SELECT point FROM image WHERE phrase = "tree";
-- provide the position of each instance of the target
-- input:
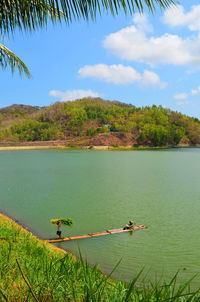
(156, 135)
(29, 15)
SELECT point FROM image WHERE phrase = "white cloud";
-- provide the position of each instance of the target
(71, 95)
(120, 74)
(117, 74)
(175, 16)
(180, 96)
(184, 95)
(183, 103)
(132, 44)
(195, 91)
(142, 23)
(152, 79)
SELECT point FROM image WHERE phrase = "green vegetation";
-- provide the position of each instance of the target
(88, 118)
(30, 267)
(32, 130)
(65, 221)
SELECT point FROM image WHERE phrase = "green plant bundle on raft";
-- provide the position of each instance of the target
(66, 221)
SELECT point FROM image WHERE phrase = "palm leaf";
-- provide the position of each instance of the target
(31, 14)
(7, 57)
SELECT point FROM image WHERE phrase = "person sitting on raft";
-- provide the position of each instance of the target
(59, 229)
(129, 226)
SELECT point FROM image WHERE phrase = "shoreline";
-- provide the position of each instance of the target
(18, 224)
(95, 148)
(10, 148)
(21, 224)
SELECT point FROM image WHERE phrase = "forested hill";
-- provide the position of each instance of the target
(92, 121)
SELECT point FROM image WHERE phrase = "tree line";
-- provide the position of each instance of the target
(155, 126)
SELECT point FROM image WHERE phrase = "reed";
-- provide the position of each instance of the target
(44, 273)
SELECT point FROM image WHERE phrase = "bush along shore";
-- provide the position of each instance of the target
(33, 270)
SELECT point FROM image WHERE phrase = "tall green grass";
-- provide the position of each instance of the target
(55, 276)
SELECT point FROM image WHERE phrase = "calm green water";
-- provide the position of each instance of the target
(103, 190)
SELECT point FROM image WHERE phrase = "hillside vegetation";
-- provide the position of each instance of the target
(98, 122)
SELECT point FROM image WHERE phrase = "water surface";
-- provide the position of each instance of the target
(104, 189)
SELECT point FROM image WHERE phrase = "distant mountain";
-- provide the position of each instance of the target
(93, 121)
(15, 108)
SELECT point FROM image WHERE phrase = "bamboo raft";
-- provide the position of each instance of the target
(90, 235)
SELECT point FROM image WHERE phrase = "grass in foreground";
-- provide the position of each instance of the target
(44, 273)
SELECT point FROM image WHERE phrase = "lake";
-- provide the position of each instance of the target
(105, 189)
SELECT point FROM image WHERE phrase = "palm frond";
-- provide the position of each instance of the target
(27, 14)
(7, 57)
(31, 14)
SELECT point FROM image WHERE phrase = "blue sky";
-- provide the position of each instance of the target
(142, 60)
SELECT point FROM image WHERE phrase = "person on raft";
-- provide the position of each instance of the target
(129, 226)
(59, 229)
